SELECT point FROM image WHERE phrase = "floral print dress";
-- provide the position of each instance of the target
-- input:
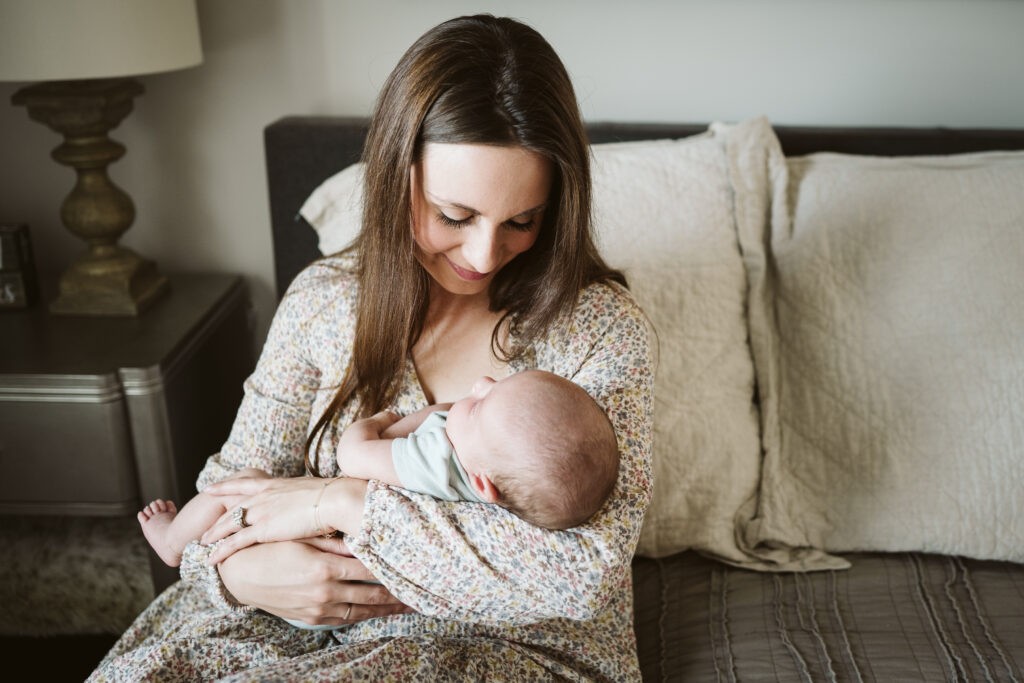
(495, 598)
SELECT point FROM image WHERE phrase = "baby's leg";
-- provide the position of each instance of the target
(169, 530)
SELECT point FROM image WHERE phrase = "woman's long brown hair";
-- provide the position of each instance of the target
(478, 80)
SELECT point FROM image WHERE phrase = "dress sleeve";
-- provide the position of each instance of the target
(270, 428)
(480, 563)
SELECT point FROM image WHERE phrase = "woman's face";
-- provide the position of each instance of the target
(475, 208)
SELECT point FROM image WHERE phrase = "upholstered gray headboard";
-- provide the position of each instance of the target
(303, 151)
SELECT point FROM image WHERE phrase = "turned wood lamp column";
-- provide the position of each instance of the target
(108, 279)
(82, 56)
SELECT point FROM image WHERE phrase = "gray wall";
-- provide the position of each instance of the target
(195, 160)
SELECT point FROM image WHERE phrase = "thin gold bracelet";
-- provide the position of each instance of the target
(316, 509)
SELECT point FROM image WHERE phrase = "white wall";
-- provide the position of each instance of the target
(195, 159)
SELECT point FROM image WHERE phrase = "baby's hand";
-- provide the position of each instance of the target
(410, 422)
(373, 427)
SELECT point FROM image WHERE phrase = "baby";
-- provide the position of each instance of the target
(534, 443)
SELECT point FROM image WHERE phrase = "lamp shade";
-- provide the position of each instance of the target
(47, 40)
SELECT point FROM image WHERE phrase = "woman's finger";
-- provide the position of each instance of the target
(330, 544)
(368, 594)
(355, 585)
(235, 519)
(345, 613)
(229, 545)
(346, 569)
(362, 612)
(241, 486)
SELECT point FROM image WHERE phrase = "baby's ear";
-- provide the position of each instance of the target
(484, 487)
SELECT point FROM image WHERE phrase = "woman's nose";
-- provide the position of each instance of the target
(482, 249)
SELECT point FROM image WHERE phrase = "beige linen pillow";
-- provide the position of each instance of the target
(890, 357)
(665, 212)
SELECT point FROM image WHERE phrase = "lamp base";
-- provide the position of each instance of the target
(109, 280)
(119, 283)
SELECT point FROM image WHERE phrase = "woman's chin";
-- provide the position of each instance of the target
(457, 287)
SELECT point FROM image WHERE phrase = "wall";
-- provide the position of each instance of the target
(195, 160)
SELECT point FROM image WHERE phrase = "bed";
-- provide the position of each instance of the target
(890, 616)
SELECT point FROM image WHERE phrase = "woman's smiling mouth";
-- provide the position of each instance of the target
(470, 275)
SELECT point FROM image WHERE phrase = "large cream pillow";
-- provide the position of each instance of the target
(665, 212)
(890, 357)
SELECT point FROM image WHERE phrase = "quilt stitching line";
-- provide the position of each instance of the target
(953, 659)
(986, 629)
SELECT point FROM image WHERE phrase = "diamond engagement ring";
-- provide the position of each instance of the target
(238, 517)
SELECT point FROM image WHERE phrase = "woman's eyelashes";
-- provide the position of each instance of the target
(453, 222)
(522, 225)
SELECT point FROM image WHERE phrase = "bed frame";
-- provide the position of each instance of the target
(900, 616)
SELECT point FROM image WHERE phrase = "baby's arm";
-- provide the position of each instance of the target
(364, 449)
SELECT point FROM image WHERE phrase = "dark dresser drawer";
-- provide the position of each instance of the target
(65, 445)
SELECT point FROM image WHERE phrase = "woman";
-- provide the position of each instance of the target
(475, 258)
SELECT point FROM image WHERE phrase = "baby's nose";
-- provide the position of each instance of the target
(482, 386)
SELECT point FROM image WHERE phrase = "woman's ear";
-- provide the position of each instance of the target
(484, 487)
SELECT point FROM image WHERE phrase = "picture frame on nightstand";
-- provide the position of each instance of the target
(19, 286)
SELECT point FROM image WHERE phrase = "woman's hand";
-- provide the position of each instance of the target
(315, 581)
(283, 510)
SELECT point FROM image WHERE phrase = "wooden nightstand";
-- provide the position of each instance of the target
(99, 415)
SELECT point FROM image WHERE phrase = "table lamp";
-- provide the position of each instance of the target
(81, 54)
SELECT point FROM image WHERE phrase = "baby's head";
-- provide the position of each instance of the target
(538, 445)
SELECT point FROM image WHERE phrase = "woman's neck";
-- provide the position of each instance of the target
(454, 349)
(445, 306)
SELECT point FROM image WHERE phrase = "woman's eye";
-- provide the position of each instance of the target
(452, 222)
(521, 226)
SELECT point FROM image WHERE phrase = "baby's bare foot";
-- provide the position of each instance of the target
(155, 519)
